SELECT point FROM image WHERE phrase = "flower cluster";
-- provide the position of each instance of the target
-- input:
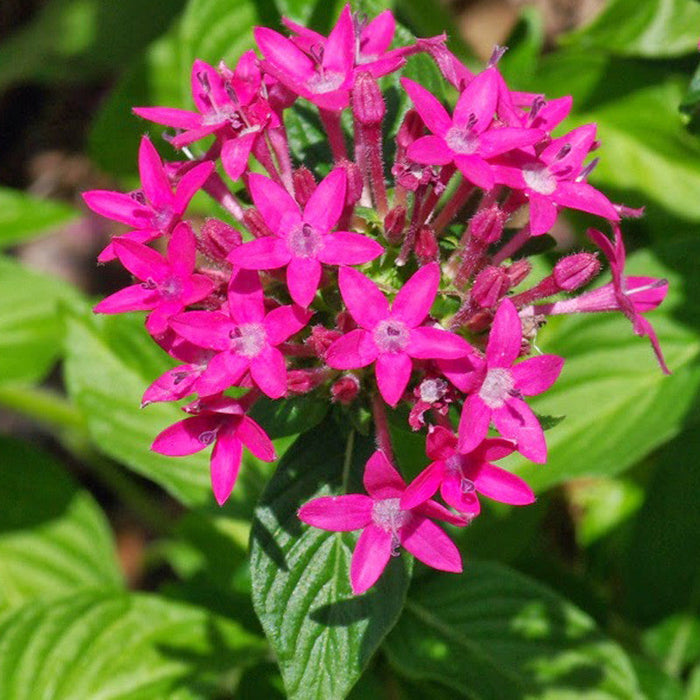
(381, 284)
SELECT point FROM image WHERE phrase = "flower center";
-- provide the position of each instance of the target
(432, 390)
(171, 288)
(497, 386)
(539, 179)
(248, 339)
(325, 81)
(462, 140)
(391, 335)
(387, 515)
(207, 437)
(305, 241)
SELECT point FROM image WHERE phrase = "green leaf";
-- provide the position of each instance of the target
(322, 636)
(289, 416)
(618, 404)
(493, 633)
(23, 216)
(53, 536)
(674, 642)
(653, 28)
(117, 645)
(30, 327)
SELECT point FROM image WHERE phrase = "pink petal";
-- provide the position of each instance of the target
(578, 142)
(431, 150)
(493, 449)
(497, 141)
(207, 329)
(138, 236)
(452, 493)
(508, 175)
(516, 420)
(476, 170)
(371, 555)
(190, 183)
(182, 250)
(283, 53)
(143, 262)
(376, 37)
(380, 479)
(284, 321)
(473, 423)
(303, 277)
(119, 207)
(537, 374)
(646, 293)
(188, 137)
(582, 196)
(440, 444)
(423, 486)
(245, 297)
(154, 181)
(187, 436)
(256, 440)
(415, 298)
(432, 509)
(464, 371)
(366, 304)
(505, 337)
(169, 116)
(235, 153)
(267, 253)
(224, 464)
(543, 213)
(274, 203)
(478, 99)
(339, 51)
(352, 351)
(338, 513)
(393, 371)
(428, 543)
(269, 372)
(223, 371)
(501, 485)
(200, 288)
(647, 329)
(173, 385)
(433, 114)
(133, 298)
(157, 321)
(346, 248)
(326, 203)
(429, 343)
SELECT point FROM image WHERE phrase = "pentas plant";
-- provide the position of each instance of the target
(401, 286)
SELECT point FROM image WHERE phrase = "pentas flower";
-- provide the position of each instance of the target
(303, 240)
(385, 525)
(220, 421)
(630, 294)
(246, 338)
(466, 138)
(495, 386)
(153, 210)
(390, 336)
(461, 476)
(169, 283)
(555, 178)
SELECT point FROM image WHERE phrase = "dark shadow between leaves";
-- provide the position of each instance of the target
(265, 540)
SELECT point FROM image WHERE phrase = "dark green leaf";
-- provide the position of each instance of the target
(289, 416)
(493, 633)
(322, 636)
(119, 645)
(674, 642)
(53, 536)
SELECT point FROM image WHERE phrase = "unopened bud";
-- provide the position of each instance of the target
(355, 183)
(302, 381)
(346, 389)
(304, 185)
(426, 246)
(394, 223)
(411, 129)
(367, 101)
(253, 220)
(490, 285)
(218, 239)
(321, 339)
(487, 224)
(518, 271)
(575, 271)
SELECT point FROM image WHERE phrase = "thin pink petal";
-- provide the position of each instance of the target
(143, 262)
(207, 329)
(303, 277)
(500, 485)
(224, 464)
(423, 486)
(169, 116)
(516, 420)
(283, 53)
(412, 303)
(440, 444)
(497, 141)
(464, 371)
(284, 321)
(366, 304)
(267, 253)
(428, 543)
(478, 100)
(154, 181)
(338, 513)
(371, 555)
(339, 51)
(452, 493)
(476, 170)
(537, 374)
(223, 371)
(376, 37)
(433, 114)
(133, 298)
(326, 203)
(119, 207)
(435, 511)
(473, 423)
(393, 371)
(543, 214)
(190, 182)
(269, 372)
(380, 479)
(346, 248)
(431, 150)
(186, 437)
(352, 351)
(582, 196)
(256, 440)
(505, 337)
(274, 203)
(235, 153)
(182, 250)
(245, 297)
(646, 293)
(435, 343)
(173, 385)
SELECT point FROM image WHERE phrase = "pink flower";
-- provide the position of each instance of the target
(461, 476)
(555, 178)
(495, 389)
(385, 525)
(222, 421)
(169, 284)
(154, 210)
(391, 336)
(631, 295)
(303, 240)
(466, 139)
(245, 339)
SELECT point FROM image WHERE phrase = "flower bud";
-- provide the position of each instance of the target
(490, 285)
(253, 220)
(518, 271)
(345, 389)
(355, 183)
(218, 239)
(426, 246)
(367, 102)
(321, 339)
(302, 381)
(304, 185)
(411, 129)
(575, 271)
(487, 224)
(394, 223)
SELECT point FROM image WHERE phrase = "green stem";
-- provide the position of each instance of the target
(44, 406)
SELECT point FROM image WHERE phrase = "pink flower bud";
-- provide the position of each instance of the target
(367, 101)
(518, 271)
(490, 285)
(255, 223)
(346, 389)
(394, 223)
(321, 339)
(218, 239)
(426, 247)
(411, 129)
(304, 185)
(302, 381)
(575, 271)
(487, 224)
(355, 183)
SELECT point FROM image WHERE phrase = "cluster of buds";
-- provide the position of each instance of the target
(364, 289)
